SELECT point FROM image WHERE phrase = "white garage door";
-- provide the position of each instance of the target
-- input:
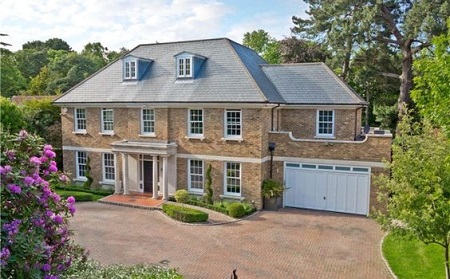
(327, 187)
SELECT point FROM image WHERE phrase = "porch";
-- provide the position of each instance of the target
(134, 199)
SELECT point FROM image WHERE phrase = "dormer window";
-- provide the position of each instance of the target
(130, 69)
(184, 67)
(135, 68)
(188, 65)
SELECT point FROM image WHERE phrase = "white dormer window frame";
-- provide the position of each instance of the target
(185, 66)
(130, 69)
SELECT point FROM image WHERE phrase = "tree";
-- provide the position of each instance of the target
(208, 186)
(404, 26)
(417, 195)
(293, 50)
(11, 79)
(266, 46)
(11, 117)
(432, 88)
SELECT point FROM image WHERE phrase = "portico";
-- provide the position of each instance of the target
(145, 167)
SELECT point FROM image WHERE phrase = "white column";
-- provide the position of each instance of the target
(164, 178)
(126, 191)
(155, 177)
(116, 175)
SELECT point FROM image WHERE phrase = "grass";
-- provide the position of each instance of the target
(410, 259)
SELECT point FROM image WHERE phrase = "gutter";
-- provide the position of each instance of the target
(273, 110)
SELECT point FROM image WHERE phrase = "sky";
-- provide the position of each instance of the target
(125, 23)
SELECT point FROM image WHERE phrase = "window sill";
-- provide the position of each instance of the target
(79, 132)
(325, 137)
(111, 134)
(106, 182)
(147, 135)
(229, 197)
(233, 139)
(195, 137)
(80, 179)
(195, 193)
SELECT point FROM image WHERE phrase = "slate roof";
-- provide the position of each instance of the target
(311, 83)
(231, 73)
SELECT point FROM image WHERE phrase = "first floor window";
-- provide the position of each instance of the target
(148, 122)
(196, 175)
(108, 167)
(81, 162)
(80, 120)
(233, 123)
(195, 122)
(107, 120)
(233, 179)
(325, 123)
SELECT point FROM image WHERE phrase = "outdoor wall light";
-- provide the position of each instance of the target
(271, 146)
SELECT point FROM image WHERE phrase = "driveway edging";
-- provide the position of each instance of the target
(386, 264)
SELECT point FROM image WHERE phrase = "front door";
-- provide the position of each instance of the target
(148, 176)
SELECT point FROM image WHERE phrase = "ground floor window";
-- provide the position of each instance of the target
(233, 178)
(108, 167)
(196, 177)
(81, 162)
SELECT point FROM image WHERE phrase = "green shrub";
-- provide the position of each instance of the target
(79, 196)
(236, 210)
(99, 192)
(184, 214)
(182, 196)
(248, 208)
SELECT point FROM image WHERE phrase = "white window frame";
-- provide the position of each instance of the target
(182, 69)
(77, 120)
(201, 175)
(238, 178)
(108, 164)
(79, 162)
(103, 122)
(130, 69)
(319, 122)
(191, 122)
(143, 121)
(227, 124)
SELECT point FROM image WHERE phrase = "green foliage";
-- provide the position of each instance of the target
(293, 50)
(91, 269)
(99, 192)
(11, 79)
(236, 210)
(184, 214)
(11, 117)
(208, 186)
(272, 188)
(432, 87)
(262, 43)
(417, 193)
(386, 116)
(411, 259)
(79, 196)
(181, 196)
(87, 184)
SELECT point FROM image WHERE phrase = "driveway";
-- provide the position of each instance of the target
(290, 243)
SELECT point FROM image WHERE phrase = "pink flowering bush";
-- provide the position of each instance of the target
(35, 240)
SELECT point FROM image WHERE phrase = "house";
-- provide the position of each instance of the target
(154, 120)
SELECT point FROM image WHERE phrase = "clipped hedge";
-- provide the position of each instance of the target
(184, 214)
(79, 196)
(99, 192)
(236, 210)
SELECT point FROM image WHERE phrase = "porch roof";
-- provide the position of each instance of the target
(145, 147)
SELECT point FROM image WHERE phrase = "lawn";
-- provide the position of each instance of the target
(411, 259)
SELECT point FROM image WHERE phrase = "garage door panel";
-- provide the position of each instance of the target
(339, 189)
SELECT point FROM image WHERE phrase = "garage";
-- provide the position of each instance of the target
(327, 187)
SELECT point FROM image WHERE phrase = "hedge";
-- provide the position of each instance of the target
(184, 214)
(100, 192)
(79, 196)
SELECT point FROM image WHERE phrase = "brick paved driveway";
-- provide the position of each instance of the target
(290, 243)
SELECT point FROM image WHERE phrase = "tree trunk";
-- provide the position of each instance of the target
(447, 263)
(348, 53)
(406, 78)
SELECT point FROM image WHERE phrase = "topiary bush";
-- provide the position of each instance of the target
(236, 210)
(184, 214)
(182, 196)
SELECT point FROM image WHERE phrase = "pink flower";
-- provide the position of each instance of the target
(49, 153)
(70, 199)
(28, 180)
(35, 160)
(11, 155)
(57, 219)
(6, 169)
(63, 178)
(55, 197)
(23, 135)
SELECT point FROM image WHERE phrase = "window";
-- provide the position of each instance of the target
(80, 120)
(148, 122)
(185, 67)
(107, 121)
(325, 123)
(233, 123)
(81, 162)
(130, 70)
(108, 167)
(233, 179)
(195, 122)
(196, 175)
